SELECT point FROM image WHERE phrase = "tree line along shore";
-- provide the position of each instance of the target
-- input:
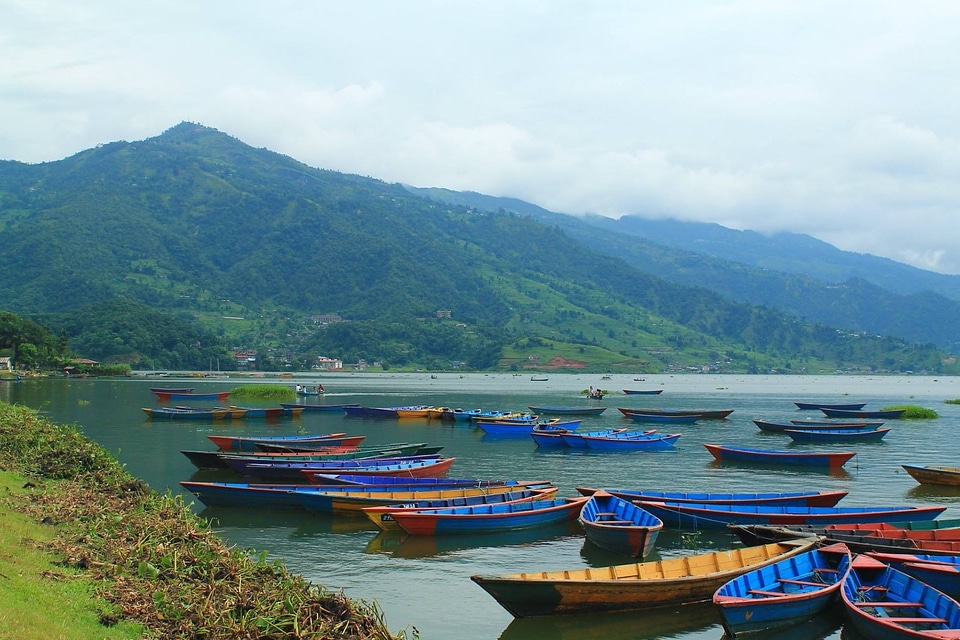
(94, 552)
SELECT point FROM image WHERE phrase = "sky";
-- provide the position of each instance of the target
(839, 119)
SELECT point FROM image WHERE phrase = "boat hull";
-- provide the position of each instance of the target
(619, 526)
(933, 475)
(785, 593)
(832, 460)
(631, 587)
(490, 518)
(798, 498)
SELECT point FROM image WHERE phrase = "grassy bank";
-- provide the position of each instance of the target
(91, 552)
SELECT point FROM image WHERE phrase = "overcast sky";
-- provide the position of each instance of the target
(840, 119)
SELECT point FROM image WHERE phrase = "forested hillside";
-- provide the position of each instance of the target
(173, 251)
(794, 273)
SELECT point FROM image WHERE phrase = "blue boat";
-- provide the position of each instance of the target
(514, 516)
(619, 526)
(576, 440)
(522, 428)
(641, 442)
(829, 459)
(788, 592)
(816, 406)
(569, 411)
(888, 414)
(706, 516)
(791, 498)
(809, 425)
(837, 435)
(400, 465)
(942, 572)
(883, 603)
(668, 418)
(318, 407)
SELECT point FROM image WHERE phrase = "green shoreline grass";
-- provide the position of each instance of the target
(95, 553)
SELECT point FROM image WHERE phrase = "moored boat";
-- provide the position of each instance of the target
(809, 425)
(793, 498)
(704, 414)
(569, 411)
(816, 406)
(637, 416)
(522, 427)
(575, 438)
(934, 475)
(642, 392)
(414, 466)
(215, 395)
(618, 525)
(169, 390)
(630, 587)
(884, 603)
(837, 435)
(639, 442)
(942, 572)
(252, 443)
(192, 413)
(489, 518)
(382, 516)
(888, 414)
(705, 516)
(831, 459)
(353, 500)
(318, 407)
(788, 592)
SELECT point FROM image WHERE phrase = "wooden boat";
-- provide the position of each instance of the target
(537, 378)
(465, 415)
(837, 424)
(216, 395)
(664, 418)
(523, 427)
(630, 587)
(354, 411)
(618, 525)
(414, 411)
(382, 516)
(317, 407)
(816, 406)
(569, 411)
(353, 500)
(639, 442)
(796, 498)
(575, 438)
(169, 390)
(270, 412)
(192, 413)
(940, 572)
(643, 392)
(788, 592)
(705, 516)
(913, 537)
(358, 481)
(493, 518)
(831, 459)
(704, 414)
(218, 459)
(884, 603)
(934, 475)
(431, 466)
(837, 435)
(307, 393)
(780, 427)
(251, 443)
(890, 414)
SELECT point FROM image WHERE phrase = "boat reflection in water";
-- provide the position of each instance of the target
(403, 545)
(646, 625)
(787, 469)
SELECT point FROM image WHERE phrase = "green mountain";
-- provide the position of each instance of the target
(176, 250)
(794, 273)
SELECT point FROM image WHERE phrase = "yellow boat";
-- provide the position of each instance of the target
(353, 502)
(631, 587)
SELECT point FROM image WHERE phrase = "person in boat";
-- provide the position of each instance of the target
(299, 388)
(319, 388)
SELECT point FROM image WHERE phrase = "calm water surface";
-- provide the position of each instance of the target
(423, 583)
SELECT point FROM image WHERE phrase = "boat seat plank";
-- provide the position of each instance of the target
(802, 583)
(614, 522)
(606, 514)
(889, 604)
(917, 620)
(759, 592)
(826, 570)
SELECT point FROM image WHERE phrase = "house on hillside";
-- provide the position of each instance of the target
(5, 363)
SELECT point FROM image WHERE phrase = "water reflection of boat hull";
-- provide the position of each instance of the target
(402, 545)
(666, 623)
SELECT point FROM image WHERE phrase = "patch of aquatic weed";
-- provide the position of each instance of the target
(154, 559)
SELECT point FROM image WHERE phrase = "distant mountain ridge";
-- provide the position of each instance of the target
(253, 248)
(797, 273)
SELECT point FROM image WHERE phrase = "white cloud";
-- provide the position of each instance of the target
(837, 120)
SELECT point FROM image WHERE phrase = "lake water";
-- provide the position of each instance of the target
(423, 583)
